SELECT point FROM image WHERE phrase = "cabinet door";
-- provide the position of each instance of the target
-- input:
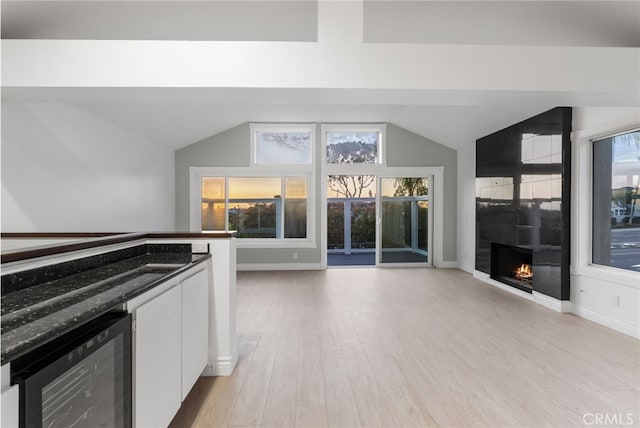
(195, 328)
(157, 360)
(10, 405)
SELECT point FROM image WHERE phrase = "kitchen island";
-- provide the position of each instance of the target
(158, 308)
(47, 290)
(41, 304)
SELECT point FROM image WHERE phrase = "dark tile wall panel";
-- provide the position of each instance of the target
(523, 196)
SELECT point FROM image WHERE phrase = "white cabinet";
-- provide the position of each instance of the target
(171, 346)
(158, 360)
(10, 403)
(10, 400)
(195, 332)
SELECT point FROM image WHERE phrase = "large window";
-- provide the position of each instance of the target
(269, 202)
(616, 201)
(256, 207)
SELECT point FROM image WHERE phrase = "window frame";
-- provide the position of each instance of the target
(593, 141)
(195, 197)
(254, 128)
(582, 206)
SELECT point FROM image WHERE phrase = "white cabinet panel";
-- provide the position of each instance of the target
(157, 356)
(195, 331)
(10, 407)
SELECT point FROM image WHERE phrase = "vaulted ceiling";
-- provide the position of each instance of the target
(175, 72)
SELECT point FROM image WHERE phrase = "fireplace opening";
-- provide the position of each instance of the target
(512, 266)
(523, 273)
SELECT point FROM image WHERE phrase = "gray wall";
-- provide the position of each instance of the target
(232, 148)
(229, 148)
(404, 148)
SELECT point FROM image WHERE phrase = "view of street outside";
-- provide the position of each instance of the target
(625, 248)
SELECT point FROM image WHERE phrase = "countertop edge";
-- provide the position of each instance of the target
(101, 239)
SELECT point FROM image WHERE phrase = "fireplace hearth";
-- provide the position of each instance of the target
(512, 266)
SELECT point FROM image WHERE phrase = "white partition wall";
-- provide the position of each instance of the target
(222, 302)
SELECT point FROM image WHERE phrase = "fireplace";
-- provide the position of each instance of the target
(523, 198)
(512, 266)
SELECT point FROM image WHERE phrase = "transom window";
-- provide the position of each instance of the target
(282, 144)
(354, 144)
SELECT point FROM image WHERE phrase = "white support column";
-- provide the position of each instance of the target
(223, 355)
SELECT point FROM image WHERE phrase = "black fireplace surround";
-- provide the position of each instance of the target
(523, 199)
(505, 260)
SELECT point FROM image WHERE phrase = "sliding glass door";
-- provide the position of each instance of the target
(351, 220)
(378, 220)
(404, 226)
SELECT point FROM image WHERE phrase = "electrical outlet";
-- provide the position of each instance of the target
(295, 256)
(615, 301)
(200, 247)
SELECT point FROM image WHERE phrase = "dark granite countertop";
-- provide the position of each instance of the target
(42, 304)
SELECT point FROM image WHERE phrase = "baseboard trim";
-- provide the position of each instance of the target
(622, 327)
(222, 366)
(318, 266)
(448, 265)
(563, 306)
(539, 298)
(278, 266)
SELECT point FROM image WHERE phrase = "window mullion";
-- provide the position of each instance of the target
(282, 207)
(226, 203)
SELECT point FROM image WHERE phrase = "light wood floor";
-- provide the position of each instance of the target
(411, 347)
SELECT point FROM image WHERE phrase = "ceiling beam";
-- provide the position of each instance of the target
(78, 63)
(339, 61)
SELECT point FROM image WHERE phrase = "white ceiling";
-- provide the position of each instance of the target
(160, 20)
(524, 23)
(177, 125)
(176, 117)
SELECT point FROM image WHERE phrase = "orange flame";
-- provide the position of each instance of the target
(523, 272)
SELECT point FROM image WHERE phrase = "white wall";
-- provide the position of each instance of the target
(65, 170)
(595, 290)
(467, 207)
